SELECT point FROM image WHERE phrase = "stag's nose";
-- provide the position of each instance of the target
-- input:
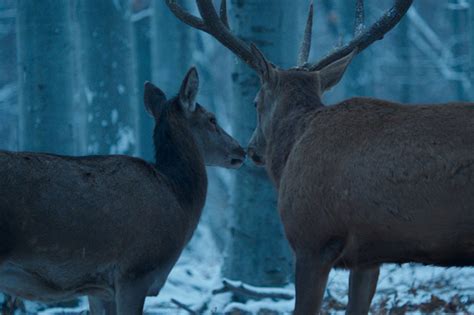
(256, 159)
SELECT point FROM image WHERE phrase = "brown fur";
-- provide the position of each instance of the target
(366, 182)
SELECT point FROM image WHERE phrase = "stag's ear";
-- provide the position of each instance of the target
(153, 98)
(189, 90)
(332, 73)
(264, 67)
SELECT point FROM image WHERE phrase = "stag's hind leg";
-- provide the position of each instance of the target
(362, 284)
(312, 270)
(101, 307)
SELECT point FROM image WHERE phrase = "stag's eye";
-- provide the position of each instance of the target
(213, 120)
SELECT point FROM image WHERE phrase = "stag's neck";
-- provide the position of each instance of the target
(178, 158)
(289, 122)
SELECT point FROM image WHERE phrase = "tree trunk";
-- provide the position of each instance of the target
(141, 35)
(8, 77)
(171, 48)
(357, 80)
(458, 12)
(45, 64)
(106, 56)
(258, 252)
(404, 70)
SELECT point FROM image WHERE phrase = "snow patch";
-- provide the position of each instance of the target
(125, 141)
(120, 89)
(114, 116)
(89, 95)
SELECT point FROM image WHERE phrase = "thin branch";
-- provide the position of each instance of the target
(359, 19)
(184, 307)
(242, 289)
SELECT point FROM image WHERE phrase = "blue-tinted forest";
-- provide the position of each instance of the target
(72, 77)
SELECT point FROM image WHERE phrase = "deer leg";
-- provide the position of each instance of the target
(101, 307)
(311, 277)
(362, 284)
(130, 295)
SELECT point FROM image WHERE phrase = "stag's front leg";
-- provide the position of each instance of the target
(130, 295)
(311, 277)
(362, 284)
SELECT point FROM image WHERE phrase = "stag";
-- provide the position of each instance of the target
(360, 183)
(110, 227)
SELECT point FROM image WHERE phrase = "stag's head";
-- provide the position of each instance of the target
(306, 82)
(216, 146)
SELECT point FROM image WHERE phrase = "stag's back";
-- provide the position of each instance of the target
(397, 172)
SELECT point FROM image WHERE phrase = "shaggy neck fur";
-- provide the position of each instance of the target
(294, 110)
(178, 157)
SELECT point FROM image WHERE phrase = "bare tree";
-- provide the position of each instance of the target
(45, 64)
(106, 62)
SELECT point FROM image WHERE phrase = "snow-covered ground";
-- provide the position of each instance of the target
(411, 289)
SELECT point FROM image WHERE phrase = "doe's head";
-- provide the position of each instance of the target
(215, 145)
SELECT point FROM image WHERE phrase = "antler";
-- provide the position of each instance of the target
(306, 44)
(215, 25)
(366, 37)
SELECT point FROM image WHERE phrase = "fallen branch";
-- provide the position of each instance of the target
(184, 307)
(256, 293)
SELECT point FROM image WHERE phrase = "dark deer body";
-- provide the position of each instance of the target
(110, 227)
(362, 182)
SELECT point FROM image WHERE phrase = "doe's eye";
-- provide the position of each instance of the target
(213, 120)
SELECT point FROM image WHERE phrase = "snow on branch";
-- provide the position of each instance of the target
(240, 288)
(427, 41)
(143, 14)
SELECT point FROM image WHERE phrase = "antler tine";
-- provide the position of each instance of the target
(359, 19)
(369, 35)
(215, 26)
(223, 13)
(306, 44)
(184, 16)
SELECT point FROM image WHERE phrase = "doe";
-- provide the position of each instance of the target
(110, 227)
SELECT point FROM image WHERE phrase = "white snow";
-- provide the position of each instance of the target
(126, 140)
(120, 89)
(89, 95)
(114, 116)
(197, 273)
(135, 17)
(7, 93)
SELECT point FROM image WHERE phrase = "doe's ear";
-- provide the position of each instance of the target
(332, 73)
(264, 67)
(189, 90)
(153, 98)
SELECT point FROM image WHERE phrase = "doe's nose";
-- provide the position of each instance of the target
(257, 159)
